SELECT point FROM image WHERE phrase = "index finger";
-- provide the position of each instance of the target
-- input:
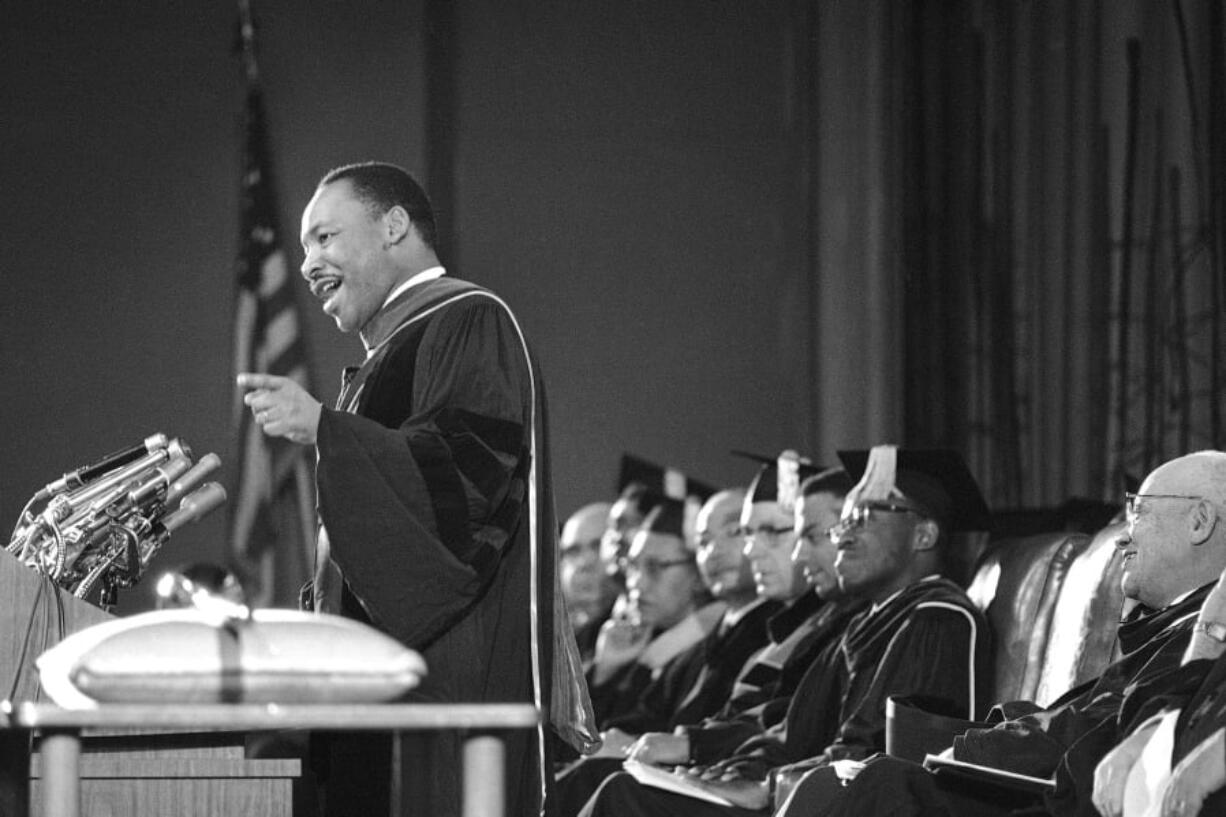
(255, 380)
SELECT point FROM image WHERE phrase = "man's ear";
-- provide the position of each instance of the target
(396, 225)
(925, 535)
(1202, 521)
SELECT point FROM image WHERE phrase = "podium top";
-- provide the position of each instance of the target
(347, 717)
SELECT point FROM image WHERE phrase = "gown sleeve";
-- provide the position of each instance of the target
(418, 514)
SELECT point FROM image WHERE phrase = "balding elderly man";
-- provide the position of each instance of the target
(1174, 548)
(588, 588)
(696, 682)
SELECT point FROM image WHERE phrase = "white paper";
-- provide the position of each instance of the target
(1149, 776)
(664, 779)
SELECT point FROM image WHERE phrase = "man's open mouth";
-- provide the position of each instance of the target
(323, 288)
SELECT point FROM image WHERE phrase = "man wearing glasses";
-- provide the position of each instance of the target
(1173, 549)
(668, 613)
(807, 631)
(698, 681)
(920, 636)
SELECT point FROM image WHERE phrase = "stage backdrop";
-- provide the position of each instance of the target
(724, 224)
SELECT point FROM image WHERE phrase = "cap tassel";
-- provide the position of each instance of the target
(880, 474)
(788, 477)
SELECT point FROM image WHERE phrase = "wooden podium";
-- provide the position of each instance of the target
(35, 615)
(134, 770)
(189, 760)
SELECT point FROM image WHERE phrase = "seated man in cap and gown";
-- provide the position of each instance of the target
(669, 611)
(811, 624)
(1170, 556)
(796, 619)
(921, 636)
(643, 486)
(699, 680)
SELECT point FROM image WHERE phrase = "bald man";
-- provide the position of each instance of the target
(698, 681)
(806, 630)
(588, 588)
(1173, 548)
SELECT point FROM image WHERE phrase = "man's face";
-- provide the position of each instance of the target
(721, 557)
(768, 545)
(585, 584)
(623, 523)
(875, 549)
(814, 551)
(346, 263)
(661, 579)
(1157, 553)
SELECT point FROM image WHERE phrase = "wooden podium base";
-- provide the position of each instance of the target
(191, 787)
(122, 773)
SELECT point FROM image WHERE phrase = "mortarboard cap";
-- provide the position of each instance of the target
(667, 518)
(937, 480)
(779, 478)
(660, 480)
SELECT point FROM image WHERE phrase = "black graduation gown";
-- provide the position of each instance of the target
(1070, 737)
(698, 681)
(425, 482)
(1034, 744)
(800, 634)
(691, 686)
(929, 640)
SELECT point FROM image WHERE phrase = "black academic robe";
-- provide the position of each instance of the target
(763, 692)
(928, 641)
(618, 695)
(440, 522)
(691, 686)
(1034, 744)
(1068, 738)
(698, 681)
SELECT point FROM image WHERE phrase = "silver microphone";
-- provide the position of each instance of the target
(82, 475)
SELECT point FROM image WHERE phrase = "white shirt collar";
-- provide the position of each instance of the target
(420, 278)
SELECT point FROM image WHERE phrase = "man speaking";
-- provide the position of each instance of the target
(434, 494)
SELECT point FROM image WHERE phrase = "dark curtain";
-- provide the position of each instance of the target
(1061, 211)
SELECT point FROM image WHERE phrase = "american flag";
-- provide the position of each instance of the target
(272, 518)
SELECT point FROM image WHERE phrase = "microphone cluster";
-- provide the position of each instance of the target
(100, 525)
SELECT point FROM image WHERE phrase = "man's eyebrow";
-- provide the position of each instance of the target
(311, 232)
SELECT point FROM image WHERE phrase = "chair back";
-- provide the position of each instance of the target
(1017, 585)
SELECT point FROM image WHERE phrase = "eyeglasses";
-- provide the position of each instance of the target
(1132, 502)
(859, 516)
(811, 534)
(708, 538)
(764, 531)
(650, 568)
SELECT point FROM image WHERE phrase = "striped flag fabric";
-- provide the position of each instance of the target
(272, 518)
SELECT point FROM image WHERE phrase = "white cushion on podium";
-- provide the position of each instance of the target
(193, 656)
